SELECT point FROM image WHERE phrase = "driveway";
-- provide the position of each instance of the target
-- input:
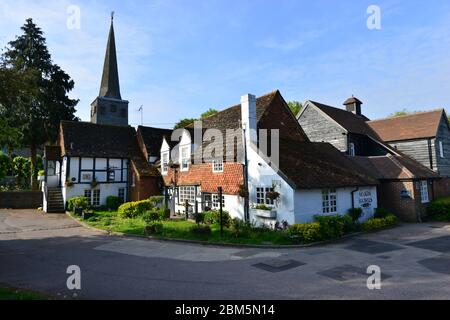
(36, 250)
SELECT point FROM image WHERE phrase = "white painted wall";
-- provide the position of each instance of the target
(308, 203)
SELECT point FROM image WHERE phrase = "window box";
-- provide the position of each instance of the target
(269, 214)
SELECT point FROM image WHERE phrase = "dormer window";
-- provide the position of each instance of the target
(217, 165)
(185, 157)
(165, 163)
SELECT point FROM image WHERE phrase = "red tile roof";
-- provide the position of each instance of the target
(414, 126)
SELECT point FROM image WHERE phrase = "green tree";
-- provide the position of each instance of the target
(42, 96)
(400, 113)
(184, 123)
(5, 165)
(208, 113)
(22, 171)
(295, 107)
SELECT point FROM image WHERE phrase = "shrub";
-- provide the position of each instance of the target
(263, 207)
(439, 209)
(157, 201)
(151, 216)
(135, 209)
(355, 214)
(307, 232)
(213, 217)
(381, 213)
(78, 202)
(201, 230)
(199, 217)
(41, 173)
(239, 227)
(5, 165)
(331, 227)
(113, 203)
(153, 227)
(379, 223)
(164, 213)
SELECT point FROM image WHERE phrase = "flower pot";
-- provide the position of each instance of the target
(268, 214)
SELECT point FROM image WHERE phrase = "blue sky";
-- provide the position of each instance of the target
(181, 57)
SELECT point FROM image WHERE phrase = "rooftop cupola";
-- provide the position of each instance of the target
(353, 105)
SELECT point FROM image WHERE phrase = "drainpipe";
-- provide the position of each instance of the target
(353, 197)
(246, 199)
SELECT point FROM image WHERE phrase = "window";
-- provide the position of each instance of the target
(216, 203)
(329, 201)
(441, 149)
(261, 195)
(113, 108)
(218, 166)
(165, 163)
(51, 168)
(121, 195)
(352, 151)
(88, 194)
(123, 113)
(424, 191)
(185, 159)
(111, 175)
(186, 194)
(96, 198)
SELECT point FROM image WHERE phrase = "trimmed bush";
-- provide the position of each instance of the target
(239, 227)
(379, 223)
(381, 213)
(213, 217)
(355, 214)
(135, 209)
(153, 227)
(307, 232)
(332, 227)
(199, 218)
(201, 230)
(77, 202)
(439, 209)
(113, 203)
(164, 213)
(157, 201)
(151, 216)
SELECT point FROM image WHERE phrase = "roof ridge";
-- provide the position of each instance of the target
(407, 115)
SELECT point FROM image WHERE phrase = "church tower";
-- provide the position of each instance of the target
(109, 107)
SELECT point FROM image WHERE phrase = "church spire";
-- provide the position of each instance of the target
(110, 79)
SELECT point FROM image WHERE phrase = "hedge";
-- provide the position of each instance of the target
(439, 209)
(213, 217)
(307, 232)
(135, 209)
(113, 203)
(336, 226)
(379, 223)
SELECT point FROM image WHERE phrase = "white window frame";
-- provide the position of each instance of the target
(185, 157)
(88, 194)
(96, 197)
(215, 201)
(441, 149)
(329, 201)
(217, 166)
(351, 149)
(165, 163)
(424, 195)
(186, 193)
(261, 196)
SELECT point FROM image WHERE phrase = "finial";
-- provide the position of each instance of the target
(112, 16)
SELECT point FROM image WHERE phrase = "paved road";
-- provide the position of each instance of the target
(36, 249)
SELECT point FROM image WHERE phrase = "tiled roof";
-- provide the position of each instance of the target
(394, 167)
(85, 139)
(153, 138)
(414, 126)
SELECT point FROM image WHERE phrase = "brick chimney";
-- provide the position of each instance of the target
(248, 117)
(353, 105)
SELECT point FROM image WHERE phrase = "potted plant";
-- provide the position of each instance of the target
(243, 191)
(94, 183)
(69, 183)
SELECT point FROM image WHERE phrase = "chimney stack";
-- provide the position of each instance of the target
(248, 114)
(353, 105)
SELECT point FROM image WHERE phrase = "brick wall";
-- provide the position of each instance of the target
(407, 210)
(21, 199)
(442, 188)
(202, 174)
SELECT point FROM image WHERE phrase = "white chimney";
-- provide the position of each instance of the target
(248, 114)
